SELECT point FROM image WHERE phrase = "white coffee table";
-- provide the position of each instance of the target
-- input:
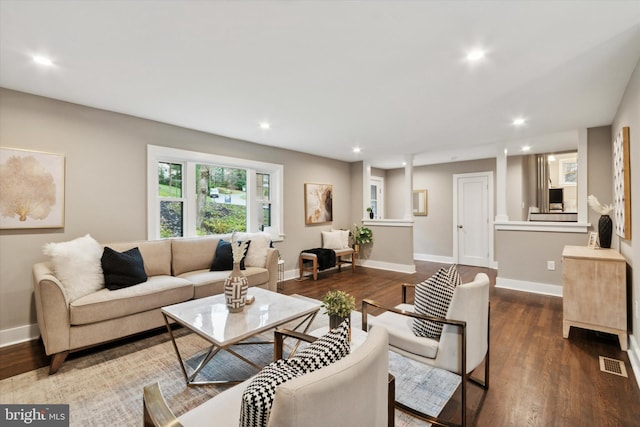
(210, 319)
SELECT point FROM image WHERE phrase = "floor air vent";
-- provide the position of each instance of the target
(613, 366)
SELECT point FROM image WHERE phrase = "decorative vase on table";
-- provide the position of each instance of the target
(335, 321)
(605, 228)
(235, 289)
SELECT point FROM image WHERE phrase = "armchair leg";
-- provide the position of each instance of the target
(56, 361)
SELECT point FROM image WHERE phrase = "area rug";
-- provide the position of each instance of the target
(104, 388)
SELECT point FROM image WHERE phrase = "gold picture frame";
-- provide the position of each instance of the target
(420, 202)
(592, 243)
(318, 203)
(32, 193)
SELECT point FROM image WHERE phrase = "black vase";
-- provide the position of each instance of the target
(370, 214)
(605, 227)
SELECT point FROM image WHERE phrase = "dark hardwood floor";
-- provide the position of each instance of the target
(538, 378)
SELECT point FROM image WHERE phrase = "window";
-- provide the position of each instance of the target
(376, 187)
(195, 194)
(170, 198)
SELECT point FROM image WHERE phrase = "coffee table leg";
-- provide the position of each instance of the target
(309, 319)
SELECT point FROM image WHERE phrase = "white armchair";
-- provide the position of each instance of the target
(357, 390)
(464, 342)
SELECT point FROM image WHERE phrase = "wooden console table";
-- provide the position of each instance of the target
(594, 291)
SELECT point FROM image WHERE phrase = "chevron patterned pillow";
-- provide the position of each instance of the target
(433, 297)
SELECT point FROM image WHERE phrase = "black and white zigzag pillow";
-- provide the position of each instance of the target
(433, 297)
(257, 398)
(325, 350)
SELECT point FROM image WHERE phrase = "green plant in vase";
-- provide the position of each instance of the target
(338, 305)
(362, 235)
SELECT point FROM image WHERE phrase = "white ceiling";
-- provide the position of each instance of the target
(387, 76)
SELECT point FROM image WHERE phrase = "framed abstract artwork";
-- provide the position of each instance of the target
(32, 193)
(622, 184)
(318, 203)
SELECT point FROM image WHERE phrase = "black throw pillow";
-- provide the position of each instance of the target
(224, 257)
(122, 269)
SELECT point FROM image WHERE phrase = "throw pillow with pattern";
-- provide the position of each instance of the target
(257, 398)
(327, 349)
(433, 297)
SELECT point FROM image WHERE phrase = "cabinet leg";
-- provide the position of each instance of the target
(565, 329)
(622, 337)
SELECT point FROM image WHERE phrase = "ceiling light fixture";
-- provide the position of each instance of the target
(43, 60)
(518, 121)
(526, 148)
(265, 125)
(357, 150)
(476, 55)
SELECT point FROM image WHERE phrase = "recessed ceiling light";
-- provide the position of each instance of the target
(357, 150)
(43, 60)
(404, 163)
(518, 121)
(476, 55)
(526, 148)
(265, 125)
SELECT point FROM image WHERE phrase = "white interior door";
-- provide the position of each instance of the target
(471, 222)
(376, 186)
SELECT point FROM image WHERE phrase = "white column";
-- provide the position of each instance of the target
(366, 188)
(582, 176)
(408, 187)
(501, 187)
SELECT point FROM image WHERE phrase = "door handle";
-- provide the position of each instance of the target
(459, 226)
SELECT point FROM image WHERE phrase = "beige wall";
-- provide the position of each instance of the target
(433, 234)
(106, 184)
(516, 204)
(629, 115)
(523, 255)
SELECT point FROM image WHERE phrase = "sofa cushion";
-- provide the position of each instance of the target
(207, 283)
(77, 265)
(194, 253)
(401, 334)
(257, 398)
(155, 253)
(223, 260)
(433, 297)
(156, 292)
(122, 269)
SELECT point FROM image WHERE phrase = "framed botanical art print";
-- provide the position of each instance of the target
(32, 193)
(318, 203)
(622, 183)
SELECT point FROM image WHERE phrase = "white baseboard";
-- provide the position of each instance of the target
(526, 286)
(634, 357)
(434, 258)
(17, 335)
(389, 266)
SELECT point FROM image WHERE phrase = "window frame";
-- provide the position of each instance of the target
(189, 159)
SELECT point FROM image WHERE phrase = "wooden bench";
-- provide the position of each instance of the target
(349, 253)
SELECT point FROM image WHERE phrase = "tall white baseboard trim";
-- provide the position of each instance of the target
(434, 258)
(389, 266)
(532, 287)
(634, 357)
(17, 335)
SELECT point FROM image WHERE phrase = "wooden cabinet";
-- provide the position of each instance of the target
(594, 291)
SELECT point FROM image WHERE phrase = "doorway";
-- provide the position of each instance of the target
(472, 210)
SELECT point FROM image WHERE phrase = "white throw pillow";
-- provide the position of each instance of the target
(344, 236)
(332, 240)
(77, 265)
(257, 253)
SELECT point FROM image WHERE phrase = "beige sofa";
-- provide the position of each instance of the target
(357, 390)
(177, 270)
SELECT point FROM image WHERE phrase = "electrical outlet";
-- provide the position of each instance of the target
(551, 265)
